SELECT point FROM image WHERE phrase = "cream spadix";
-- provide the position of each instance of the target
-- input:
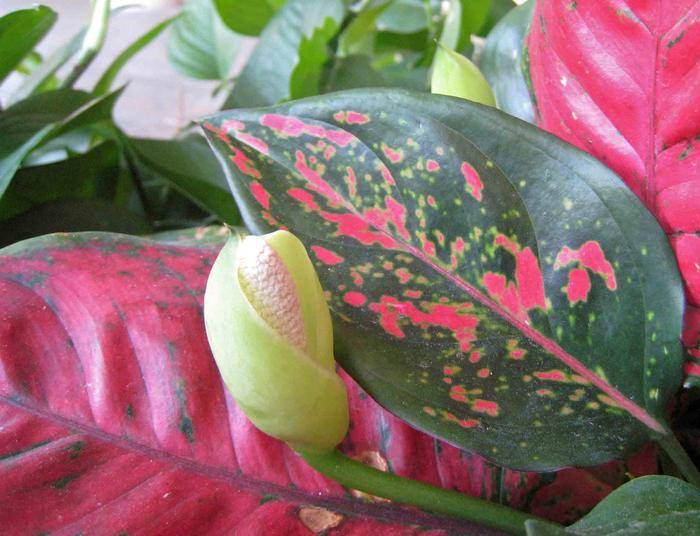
(270, 331)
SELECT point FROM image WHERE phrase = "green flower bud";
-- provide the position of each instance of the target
(270, 331)
(455, 75)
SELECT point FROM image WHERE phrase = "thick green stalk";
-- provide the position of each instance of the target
(92, 42)
(355, 475)
(680, 457)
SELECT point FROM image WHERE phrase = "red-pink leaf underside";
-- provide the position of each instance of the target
(461, 280)
(621, 81)
(113, 417)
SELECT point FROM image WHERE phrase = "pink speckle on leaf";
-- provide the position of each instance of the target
(326, 256)
(261, 195)
(356, 299)
(474, 184)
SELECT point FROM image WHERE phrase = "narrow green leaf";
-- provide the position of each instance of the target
(190, 167)
(43, 117)
(246, 17)
(20, 31)
(474, 14)
(266, 78)
(491, 284)
(200, 45)
(456, 75)
(646, 506)
(107, 79)
(452, 27)
(501, 62)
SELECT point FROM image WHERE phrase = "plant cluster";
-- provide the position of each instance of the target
(505, 261)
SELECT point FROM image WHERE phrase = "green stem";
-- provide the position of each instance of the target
(92, 42)
(680, 457)
(355, 475)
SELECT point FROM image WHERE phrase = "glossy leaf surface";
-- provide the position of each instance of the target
(649, 506)
(114, 416)
(20, 31)
(502, 62)
(471, 297)
(622, 84)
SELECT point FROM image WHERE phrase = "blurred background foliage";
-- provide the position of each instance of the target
(66, 163)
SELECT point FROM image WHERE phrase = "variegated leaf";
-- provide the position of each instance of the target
(490, 283)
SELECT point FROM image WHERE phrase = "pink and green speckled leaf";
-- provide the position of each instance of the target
(490, 284)
(113, 417)
(622, 83)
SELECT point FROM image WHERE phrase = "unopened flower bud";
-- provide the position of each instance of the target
(270, 331)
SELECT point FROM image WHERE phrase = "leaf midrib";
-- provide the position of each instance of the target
(544, 342)
(240, 481)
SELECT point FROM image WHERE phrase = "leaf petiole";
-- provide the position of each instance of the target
(355, 475)
(680, 457)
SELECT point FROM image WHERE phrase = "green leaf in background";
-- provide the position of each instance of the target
(497, 11)
(305, 80)
(20, 31)
(190, 167)
(43, 76)
(403, 17)
(266, 78)
(27, 123)
(105, 82)
(455, 75)
(358, 37)
(200, 45)
(246, 17)
(474, 14)
(490, 283)
(501, 62)
(83, 176)
(646, 506)
(71, 215)
(351, 72)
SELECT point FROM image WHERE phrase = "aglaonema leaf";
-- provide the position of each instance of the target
(490, 283)
(113, 416)
(622, 84)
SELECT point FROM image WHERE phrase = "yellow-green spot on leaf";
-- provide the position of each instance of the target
(566, 410)
(650, 315)
(643, 250)
(654, 393)
(600, 373)
(568, 203)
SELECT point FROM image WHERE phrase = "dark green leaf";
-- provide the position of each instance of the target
(43, 117)
(71, 215)
(42, 77)
(26, 124)
(189, 166)
(200, 45)
(646, 506)
(501, 62)
(20, 31)
(491, 284)
(266, 78)
(246, 17)
(84, 176)
(107, 79)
